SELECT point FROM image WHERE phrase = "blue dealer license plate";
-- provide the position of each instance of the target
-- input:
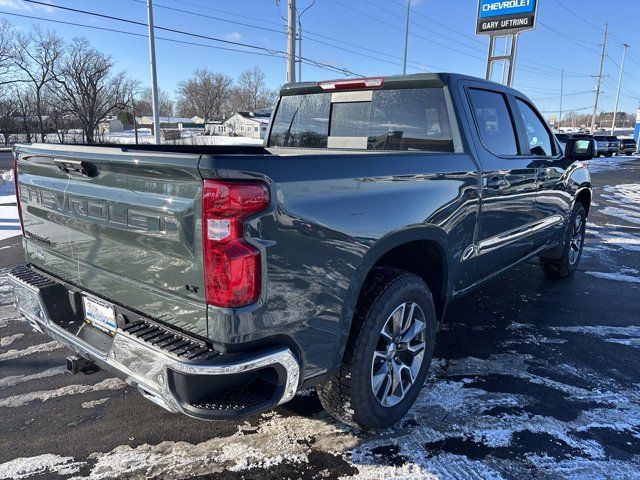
(100, 315)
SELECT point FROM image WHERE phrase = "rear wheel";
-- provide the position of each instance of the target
(388, 354)
(566, 265)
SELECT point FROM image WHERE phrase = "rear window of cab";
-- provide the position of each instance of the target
(412, 119)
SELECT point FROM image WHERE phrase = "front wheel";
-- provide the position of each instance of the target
(388, 353)
(566, 265)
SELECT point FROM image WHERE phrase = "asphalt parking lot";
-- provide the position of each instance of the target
(532, 377)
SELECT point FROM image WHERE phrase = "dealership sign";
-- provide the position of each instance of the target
(506, 16)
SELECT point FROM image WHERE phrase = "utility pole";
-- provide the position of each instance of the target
(154, 76)
(615, 110)
(291, 41)
(599, 83)
(561, 94)
(299, 50)
(406, 38)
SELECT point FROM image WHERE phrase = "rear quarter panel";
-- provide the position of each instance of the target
(332, 216)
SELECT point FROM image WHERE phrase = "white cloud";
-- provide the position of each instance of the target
(24, 6)
(232, 37)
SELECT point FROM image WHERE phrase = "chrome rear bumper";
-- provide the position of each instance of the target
(151, 369)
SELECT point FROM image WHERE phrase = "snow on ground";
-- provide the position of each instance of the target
(43, 396)
(9, 223)
(40, 465)
(600, 164)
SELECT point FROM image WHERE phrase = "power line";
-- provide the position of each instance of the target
(416, 12)
(570, 110)
(413, 22)
(460, 34)
(345, 71)
(166, 39)
(208, 7)
(576, 15)
(281, 31)
(576, 41)
(166, 7)
(532, 70)
(327, 39)
(539, 99)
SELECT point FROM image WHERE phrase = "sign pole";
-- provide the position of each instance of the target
(512, 59)
(492, 41)
(505, 19)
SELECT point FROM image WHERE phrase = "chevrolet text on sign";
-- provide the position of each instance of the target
(506, 15)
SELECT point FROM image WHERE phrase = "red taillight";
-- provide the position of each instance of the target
(232, 271)
(15, 183)
(357, 83)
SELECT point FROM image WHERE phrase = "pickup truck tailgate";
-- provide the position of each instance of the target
(124, 225)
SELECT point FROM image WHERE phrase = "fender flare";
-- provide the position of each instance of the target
(376, 252)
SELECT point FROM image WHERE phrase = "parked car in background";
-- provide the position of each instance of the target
(562, 139)
(606, 145)
(219, 281)
(627, 146)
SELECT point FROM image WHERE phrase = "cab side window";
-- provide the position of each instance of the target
(494, 122)
(540, 141)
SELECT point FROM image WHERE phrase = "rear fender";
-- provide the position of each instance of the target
(376, 252)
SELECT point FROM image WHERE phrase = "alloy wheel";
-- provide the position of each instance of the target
(577, 239)
(399, 354)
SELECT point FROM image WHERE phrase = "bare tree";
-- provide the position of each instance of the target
(86, 85)
(26, 107)
(252, 92)
(9, 126)
(7, 47)
(37, 56)
(205, 94)
(143, 103)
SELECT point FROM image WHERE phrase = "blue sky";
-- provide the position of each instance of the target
(366, 37)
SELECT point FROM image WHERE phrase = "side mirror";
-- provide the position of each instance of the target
(579, 149)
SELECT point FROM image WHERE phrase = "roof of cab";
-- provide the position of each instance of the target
(415, 80)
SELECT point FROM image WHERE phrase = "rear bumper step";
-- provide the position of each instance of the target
(180, 374)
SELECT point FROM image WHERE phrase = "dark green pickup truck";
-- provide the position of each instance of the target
(219, 281)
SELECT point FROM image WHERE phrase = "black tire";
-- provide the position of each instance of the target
(566, 265)
(349, 395)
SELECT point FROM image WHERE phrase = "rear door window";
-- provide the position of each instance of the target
(494, 122)
(400, 119)
(539, 136)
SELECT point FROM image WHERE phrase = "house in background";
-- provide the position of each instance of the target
(247, 124)
(110, 125)
(215, 126)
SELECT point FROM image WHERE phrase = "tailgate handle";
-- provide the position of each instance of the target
(77, 167)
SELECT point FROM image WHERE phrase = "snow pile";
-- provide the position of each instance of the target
(40, 465)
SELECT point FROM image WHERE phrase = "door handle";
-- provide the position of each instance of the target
(544, 175)
(496, 183)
